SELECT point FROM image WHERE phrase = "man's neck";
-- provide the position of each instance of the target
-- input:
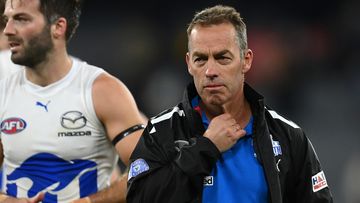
(239, 109)
(54, 68)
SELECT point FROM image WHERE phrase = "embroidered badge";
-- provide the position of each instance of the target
(319, 181)
(276, 147)
(137, 167)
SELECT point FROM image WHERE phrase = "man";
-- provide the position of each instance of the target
(60, 116)
(221, 143)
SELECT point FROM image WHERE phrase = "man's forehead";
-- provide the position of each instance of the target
(13, 7)
(21, 3)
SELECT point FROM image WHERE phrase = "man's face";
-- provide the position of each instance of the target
(27, 31)
(3, 40)
(214, 60)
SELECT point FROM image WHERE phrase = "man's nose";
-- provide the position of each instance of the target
(212, 69)
(9, 28)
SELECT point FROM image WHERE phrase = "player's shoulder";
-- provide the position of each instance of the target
(109, 83)
(109, 89)
(84, 67)
(101, 79)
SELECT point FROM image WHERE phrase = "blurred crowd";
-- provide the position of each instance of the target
(306, 63)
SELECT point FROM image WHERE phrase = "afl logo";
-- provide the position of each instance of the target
(73, 120)
(12, 125)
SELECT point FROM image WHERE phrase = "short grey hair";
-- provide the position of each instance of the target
(221, 14)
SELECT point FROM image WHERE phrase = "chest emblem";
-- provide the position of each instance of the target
(45, 106)
(276, 147)
(12, 125)
(73, 120)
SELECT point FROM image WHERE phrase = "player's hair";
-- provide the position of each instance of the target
(55, 9)
(68, 9)
(221, 14)
(2, 8)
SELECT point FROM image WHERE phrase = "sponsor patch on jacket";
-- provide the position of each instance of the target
(208, 181)
(319, 181)
(137, 167)
(276, 147)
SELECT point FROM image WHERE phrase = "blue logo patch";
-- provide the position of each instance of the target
(137, 167)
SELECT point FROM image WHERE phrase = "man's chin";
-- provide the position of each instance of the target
(16, 59)
(215, 101)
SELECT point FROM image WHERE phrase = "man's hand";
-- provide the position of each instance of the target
(224, 132)
(38, 198)
(82, 200)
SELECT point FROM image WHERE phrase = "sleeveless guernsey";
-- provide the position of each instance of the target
(52, 139)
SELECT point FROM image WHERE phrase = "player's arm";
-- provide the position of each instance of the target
(1, 153)
(117, 110)
(7, 199)
(2, 196)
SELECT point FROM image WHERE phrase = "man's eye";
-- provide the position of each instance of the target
(21, 19)
(224, 60)
(197, 60)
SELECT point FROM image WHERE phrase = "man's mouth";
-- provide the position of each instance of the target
(14, 45)
(213, 86)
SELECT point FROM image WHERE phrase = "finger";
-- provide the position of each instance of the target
(235, 127)
(233, 132)
(240, 133)
(39, 197)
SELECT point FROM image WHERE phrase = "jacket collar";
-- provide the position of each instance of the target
(194, 119)
(255, 99)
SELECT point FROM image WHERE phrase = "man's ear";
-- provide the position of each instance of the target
(58, 29)
(248, 57)
(188, 63)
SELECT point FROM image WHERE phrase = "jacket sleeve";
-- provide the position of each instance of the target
(310, 181)
(165, 168)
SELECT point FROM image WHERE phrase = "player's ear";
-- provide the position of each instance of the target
(58, 28)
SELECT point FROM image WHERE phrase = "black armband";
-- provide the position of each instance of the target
(127, 132)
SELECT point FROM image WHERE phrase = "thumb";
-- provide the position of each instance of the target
(39, 197)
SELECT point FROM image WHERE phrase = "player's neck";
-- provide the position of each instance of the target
(54, 68)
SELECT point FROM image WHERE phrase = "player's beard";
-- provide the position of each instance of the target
(36, 51)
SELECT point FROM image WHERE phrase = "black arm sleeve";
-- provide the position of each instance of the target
(175, 174)
(309, 175)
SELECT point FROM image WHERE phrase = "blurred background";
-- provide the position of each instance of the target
(306, 64)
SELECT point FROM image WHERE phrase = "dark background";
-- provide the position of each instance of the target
(306, 64)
